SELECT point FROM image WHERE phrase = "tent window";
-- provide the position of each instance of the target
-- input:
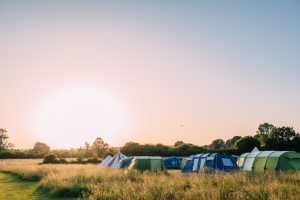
(227, 162)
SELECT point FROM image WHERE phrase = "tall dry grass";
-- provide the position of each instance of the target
(89, 182)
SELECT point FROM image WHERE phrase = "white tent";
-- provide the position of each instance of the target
(104, 162)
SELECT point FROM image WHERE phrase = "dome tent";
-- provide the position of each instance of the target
(113, 162)
(209, 162)
(172, 162)
(147, 163)
(270, 160)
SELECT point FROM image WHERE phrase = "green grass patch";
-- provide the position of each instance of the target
(12, 188)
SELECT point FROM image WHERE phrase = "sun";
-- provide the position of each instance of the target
(73, 116)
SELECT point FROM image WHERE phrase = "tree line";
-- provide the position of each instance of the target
(267, 137)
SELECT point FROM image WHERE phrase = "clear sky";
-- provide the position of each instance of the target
(72, 71)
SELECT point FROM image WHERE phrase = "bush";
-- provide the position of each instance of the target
(94, 160)
(51, 158)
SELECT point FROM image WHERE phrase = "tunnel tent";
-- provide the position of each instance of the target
(209, 162)
(124, 163)
(271, 161)
(283, 161)
(261, 160)
(147, 163)
(188, 165)
(198, 162)
(172, 162)
(105, 161)
(249, 160)
(222, 162)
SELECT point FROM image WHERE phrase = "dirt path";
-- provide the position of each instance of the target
(11, 188)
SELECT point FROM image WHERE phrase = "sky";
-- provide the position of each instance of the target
(147, 71)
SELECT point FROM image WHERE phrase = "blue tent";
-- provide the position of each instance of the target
(235, 158)
(172, 162)
(124, 163)
(210, 162)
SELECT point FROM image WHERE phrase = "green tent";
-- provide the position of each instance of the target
(270, 160)
(147, 163)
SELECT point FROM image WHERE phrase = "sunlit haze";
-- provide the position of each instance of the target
(146, 71)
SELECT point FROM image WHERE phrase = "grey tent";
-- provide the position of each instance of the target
(104, 162)
(114, 161)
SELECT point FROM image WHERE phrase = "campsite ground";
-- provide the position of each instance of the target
(25, 179)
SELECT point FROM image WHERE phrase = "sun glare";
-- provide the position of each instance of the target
(71, 117)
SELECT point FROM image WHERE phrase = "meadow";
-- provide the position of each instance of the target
(89, 182)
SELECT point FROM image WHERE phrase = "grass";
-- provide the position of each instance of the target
(12, 188)
(89, 182)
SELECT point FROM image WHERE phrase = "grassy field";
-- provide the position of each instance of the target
(89, 182)
(12, 188)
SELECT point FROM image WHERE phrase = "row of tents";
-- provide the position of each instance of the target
(209, 162)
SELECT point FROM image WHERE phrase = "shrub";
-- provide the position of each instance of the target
(51, 158)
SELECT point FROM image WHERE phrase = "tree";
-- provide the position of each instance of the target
(217, 144)
(131, 149)
(161, 150)
(112, 151)
(178, 143)
(296, 144)
(265, 129)
(87, 150)
(41, 148)
(4, 145)
(282, 138)
(186, 150)
(247, 143)
(231, 142)
(100, 148)
(263, 133)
